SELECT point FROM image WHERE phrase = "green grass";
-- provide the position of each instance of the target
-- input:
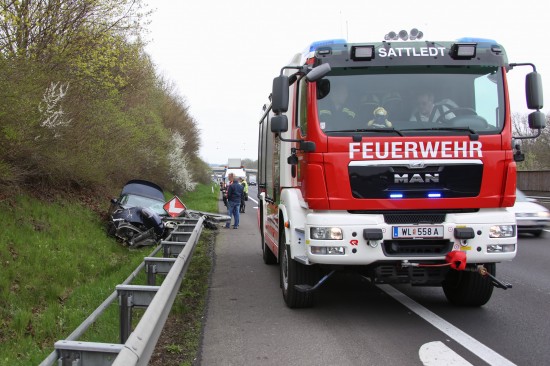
(58, 265)
(203, 198)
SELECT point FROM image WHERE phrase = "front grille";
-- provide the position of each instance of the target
(414, 218)
(416, 247)
(381, 181)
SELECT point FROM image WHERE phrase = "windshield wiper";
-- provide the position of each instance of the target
(384, 130)
(473, 134)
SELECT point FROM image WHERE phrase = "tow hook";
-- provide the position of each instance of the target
(495, 281)
(457, 261)
(309, 288)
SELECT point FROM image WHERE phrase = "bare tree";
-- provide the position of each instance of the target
(43, 28)
(536, 151)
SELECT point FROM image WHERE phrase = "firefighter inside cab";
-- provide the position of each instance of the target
(429, 111)
(335, 108)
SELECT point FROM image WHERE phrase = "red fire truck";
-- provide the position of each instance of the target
(394, 160)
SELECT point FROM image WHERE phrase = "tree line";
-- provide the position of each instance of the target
(536, 151)
(82, 104)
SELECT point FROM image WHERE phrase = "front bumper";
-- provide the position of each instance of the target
(354, 249)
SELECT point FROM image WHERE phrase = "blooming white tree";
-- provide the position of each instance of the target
(51, 109)
(179, 164)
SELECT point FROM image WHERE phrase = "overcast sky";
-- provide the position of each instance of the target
(223, 55)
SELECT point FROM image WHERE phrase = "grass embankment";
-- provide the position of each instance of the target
(58, 265)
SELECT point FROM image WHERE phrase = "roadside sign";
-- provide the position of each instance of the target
(174, 207)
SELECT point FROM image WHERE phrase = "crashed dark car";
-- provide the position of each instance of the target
(135, 217)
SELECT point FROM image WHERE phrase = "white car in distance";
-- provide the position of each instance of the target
(531, 217)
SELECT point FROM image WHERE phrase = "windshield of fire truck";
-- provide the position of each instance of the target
(421, 99)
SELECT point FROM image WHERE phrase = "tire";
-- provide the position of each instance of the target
(537, 233)
(468, 288)
(293, 273)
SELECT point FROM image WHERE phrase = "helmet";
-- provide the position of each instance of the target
(393, 103)
(391, 98)
(369, 103)
(370, 99)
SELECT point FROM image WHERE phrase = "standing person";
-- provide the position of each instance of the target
(242, 181)
(234, 194)
(223, 189)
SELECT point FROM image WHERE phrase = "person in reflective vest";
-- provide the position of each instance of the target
(244, 198)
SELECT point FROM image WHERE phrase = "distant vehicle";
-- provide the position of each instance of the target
(531, 217)
(235, 167)
(234, 163)
(252, 180)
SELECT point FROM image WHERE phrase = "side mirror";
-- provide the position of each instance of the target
(533, 91)
(279, 96)
(114, 201)
(307, 146)
(323, 88)
(279, 123)
(537, 120)
(318, 72)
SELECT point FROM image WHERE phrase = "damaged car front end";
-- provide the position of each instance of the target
(136, 216)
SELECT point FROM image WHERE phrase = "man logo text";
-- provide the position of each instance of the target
(416, 178)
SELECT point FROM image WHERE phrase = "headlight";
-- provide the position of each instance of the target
(326, 233)
(501, 248)
(328, 250)
(502, 231)
(543, 214)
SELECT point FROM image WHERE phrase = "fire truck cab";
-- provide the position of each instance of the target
(394, 160)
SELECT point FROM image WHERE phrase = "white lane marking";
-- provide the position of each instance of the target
(437, 354)
(470, 343)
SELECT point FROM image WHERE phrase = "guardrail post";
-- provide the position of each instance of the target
(172, 248)
(131, 296)
(154, 266)
(73, 353)
(125, 300)
(151, 274)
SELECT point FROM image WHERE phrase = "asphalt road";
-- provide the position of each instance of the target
(357, 323)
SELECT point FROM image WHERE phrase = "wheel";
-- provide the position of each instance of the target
(537, 233)
(293, 273)
(468, 288)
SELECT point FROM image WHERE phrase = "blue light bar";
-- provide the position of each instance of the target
(434, 195)
(326, 43)
(396, 195)
(476, 40)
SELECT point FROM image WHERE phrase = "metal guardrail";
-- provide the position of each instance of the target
(136, 347)
(545, 199)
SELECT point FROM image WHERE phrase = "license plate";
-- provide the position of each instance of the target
(424, 231)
